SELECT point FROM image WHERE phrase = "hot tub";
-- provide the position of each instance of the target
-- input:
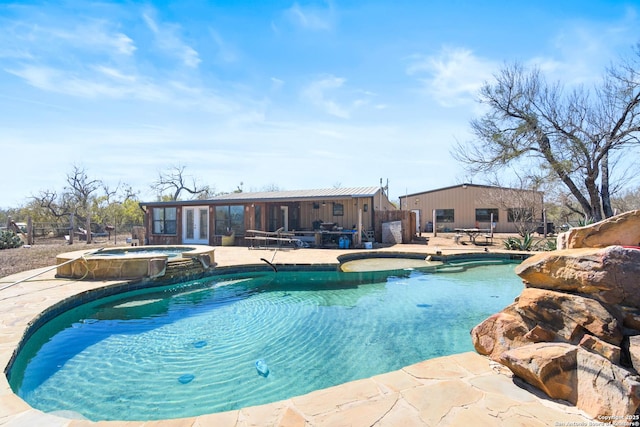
(133, 262)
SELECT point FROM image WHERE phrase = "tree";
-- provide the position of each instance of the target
(627, 201)
(77, 197)
(88, 199)
(575, 137)
(522, 200)
(176, 181)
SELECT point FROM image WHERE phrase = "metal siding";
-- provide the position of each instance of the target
(464, 202)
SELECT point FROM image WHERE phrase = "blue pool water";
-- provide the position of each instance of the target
(199, 347)
(169, 251)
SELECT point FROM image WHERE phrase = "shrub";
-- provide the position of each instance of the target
(516, 244)
(546, 245)
(9, 239)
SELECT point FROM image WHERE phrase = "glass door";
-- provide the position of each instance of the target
(196, 225)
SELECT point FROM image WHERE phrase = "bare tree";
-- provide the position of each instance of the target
(176, 181)
(271, 187)
(75, 199)
(522, 200)
(575, 137)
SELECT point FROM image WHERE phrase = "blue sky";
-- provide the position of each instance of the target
(292, 94)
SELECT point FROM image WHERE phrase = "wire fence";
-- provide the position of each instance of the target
(56, 229)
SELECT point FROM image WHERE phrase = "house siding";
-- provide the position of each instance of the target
(309, 207)
(464, 199)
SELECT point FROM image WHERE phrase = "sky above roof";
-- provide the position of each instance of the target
(285, 94)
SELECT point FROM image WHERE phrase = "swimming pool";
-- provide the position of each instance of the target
(192, 348)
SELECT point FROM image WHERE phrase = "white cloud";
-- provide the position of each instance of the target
(317, 94)
(453, 77)
(276, 84)
(169, 40)
(225, 52)
(330, 94)
(311, 17)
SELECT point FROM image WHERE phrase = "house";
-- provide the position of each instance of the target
(475, 206)
(208, 221)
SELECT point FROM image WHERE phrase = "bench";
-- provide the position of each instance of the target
(264, 239)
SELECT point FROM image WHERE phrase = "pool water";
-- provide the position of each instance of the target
(169, 251)
(192, 348)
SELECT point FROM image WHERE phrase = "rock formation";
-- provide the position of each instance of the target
(574, 331)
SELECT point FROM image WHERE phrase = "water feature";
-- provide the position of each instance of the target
(199, 347)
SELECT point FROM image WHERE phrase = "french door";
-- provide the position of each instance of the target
(195, 225)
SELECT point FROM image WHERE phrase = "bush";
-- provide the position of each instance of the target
(546, 245)
(516, 244)
(527, 244)
(9, 239)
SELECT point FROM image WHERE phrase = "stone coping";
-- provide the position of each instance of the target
(463, 389)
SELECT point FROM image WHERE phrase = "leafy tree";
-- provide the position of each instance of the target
(573, 136)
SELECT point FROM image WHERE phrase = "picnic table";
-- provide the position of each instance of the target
(278, 238)
(473, 233)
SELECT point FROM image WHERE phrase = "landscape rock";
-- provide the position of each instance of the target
(608, 274)
(634, 352)
(551, 367)
(569, 316)
(574, 331)
(631, 318)
(623, 229)
(609, 351)
(605, 389)
(499, 333)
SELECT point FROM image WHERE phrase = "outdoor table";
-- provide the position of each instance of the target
(473, 233)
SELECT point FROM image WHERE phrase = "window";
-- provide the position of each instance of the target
(257, 218)
(484, 215)
(338, 209)
(519, 215)
(444, 215)
(165, 220)
(229, 218)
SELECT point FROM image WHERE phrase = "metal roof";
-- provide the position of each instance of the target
(463, 185)
(291, 195)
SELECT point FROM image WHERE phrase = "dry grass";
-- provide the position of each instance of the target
(44, 251)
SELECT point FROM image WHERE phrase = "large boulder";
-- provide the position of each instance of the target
(499, 333)
(585, 379)
(551, 367)
(609, 274)
(623, 229)
(605, 389)
(634, 352)
(542, 315)
(569, 316)
(574, 331)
